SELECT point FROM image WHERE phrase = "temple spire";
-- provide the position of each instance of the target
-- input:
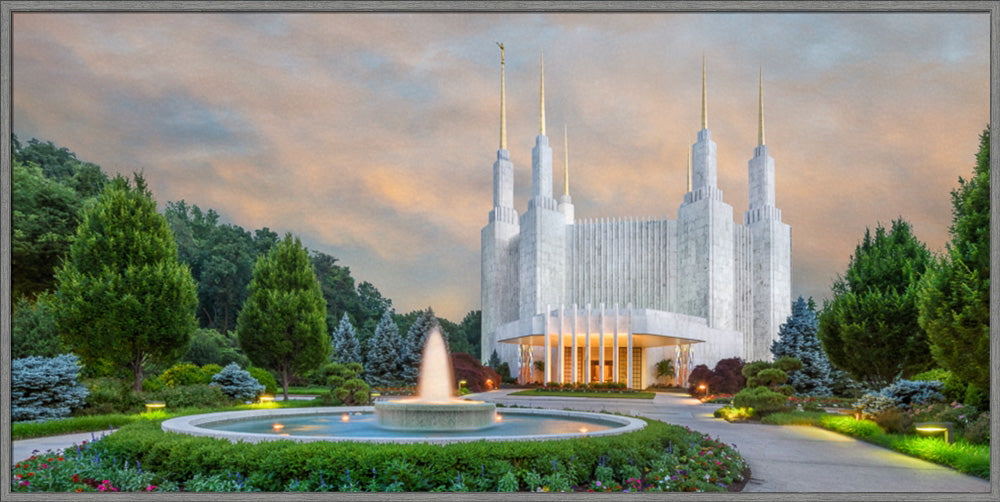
(704, 96)
(689, 171)
(541, 118)
(503, 108)
(760, 110)
(565, 161)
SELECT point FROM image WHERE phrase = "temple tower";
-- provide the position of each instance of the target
(771, 248)
(705, 235)
(499, 288)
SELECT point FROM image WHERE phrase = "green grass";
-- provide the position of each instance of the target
(94, 423)
(964, 457)
(309, 390)
(595, 394)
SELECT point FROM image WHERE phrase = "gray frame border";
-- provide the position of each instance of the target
(8, 8)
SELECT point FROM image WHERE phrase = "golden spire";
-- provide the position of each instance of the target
(503, 109)
(704, 96)
(541, 118)
(760, 110)
(565, 161)
(689, 170)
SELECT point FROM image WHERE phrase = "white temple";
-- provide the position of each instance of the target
(606, 299)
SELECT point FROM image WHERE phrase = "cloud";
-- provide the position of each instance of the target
(373, 135)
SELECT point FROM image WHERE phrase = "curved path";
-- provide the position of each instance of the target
(784, 458)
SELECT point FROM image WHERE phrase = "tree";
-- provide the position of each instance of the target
(797, 338)
(33, 330)
(44, 217)
(122, 296)
(472, 328)
(954, 295)
(282, 326)
(494, 360)
(416, 336)
(382, 365)
(869, 328)
(344, 343)
(337, 286)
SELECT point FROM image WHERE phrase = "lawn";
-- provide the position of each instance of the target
(589, 393)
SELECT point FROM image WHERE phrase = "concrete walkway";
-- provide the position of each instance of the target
(783, 458)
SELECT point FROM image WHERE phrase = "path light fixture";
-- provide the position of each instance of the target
(935, 427)
(461, 383)
(155, 406)
(266, 398)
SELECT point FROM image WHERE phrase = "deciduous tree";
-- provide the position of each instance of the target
(282, 326)
(122, 295)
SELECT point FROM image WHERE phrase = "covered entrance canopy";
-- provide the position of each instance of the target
(604, 344)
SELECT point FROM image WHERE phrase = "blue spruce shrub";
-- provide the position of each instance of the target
(908, 393)
(797, 338)
(43, 388)
(237, 383)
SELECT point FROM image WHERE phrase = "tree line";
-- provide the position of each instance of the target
(83, 242)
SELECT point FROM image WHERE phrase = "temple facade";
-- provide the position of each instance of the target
(606, 299)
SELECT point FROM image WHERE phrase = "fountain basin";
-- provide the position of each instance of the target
(417, 415)
(212, 424)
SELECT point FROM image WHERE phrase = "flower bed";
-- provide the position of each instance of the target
(141, 457)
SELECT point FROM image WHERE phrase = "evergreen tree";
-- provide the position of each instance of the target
(494, 360)
(344, 343)
(869, 328)
(955, 292)
(122, 298)
(382, 365)
(416, 337)
(282, 326)
(797, 338)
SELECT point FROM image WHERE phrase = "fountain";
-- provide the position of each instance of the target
(435, 415)
(435, 408)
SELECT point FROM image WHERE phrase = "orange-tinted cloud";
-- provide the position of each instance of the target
(372, 135)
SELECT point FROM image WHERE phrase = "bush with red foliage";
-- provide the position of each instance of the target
(468, 368)
(727, 377)
(699, 375)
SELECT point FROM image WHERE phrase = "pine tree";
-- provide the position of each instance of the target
(797, 338)
(122, 298)
(344, 343)
(869, 328)
(416, 337)
(382, 366)
(282, 326)
(954, 299)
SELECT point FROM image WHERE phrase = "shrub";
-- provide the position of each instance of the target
(469, 368)
(152, 384)
(978, 431)
(111, 395)
(768, 377)
(872, 404)
(184, 374)
(237, 383)
(761, 399)
(345, 384)
(951, 387)
(265, 378)
(699, 375)
(727, 377)
(752, 368)
(788, 364)
(211, 369)
(190, 396)
(907, 393)
(786, 389)
(894, 421)
(43, 388)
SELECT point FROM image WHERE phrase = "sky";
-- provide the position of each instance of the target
(371, 136)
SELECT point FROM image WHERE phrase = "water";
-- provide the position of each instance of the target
(365, 425)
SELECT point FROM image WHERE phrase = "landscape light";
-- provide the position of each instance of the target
(265, 398)
(277, 427)
(932, 427)
(155, 405)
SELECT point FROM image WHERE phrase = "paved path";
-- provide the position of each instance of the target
(782, 458)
